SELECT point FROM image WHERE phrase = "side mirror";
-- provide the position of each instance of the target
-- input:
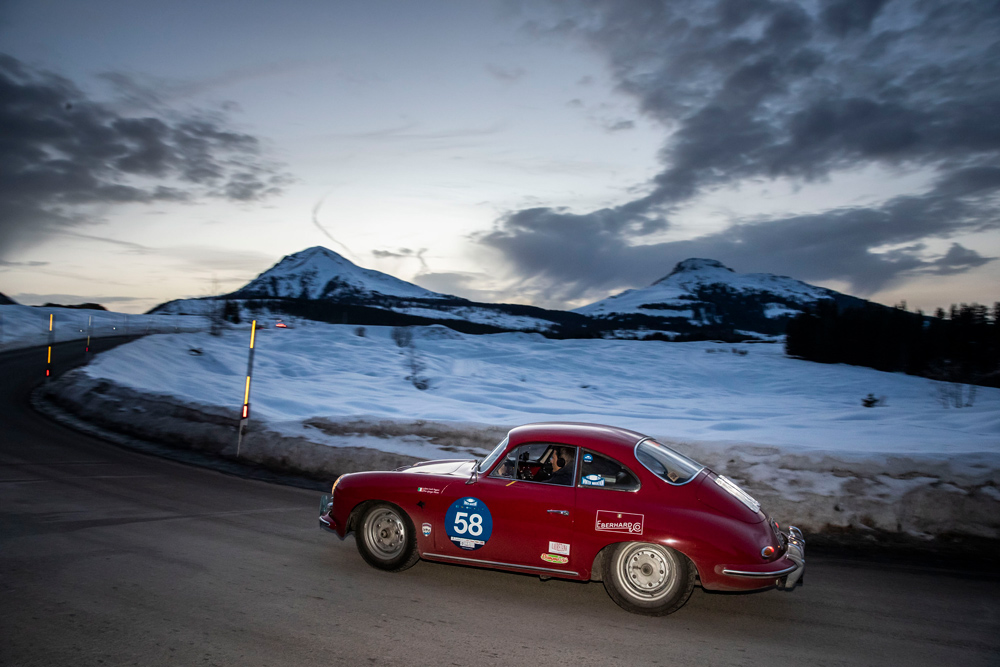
(475, 475)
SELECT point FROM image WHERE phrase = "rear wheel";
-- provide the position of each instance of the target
(647, 578)
(386, 538)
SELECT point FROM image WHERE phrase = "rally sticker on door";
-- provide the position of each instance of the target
(559, 548)
(468, 523)
(619, 522)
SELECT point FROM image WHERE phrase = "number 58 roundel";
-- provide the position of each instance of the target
(468, 523)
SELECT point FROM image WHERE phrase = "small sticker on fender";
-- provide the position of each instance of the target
(426, 528)
(424, 489)
(552, 558)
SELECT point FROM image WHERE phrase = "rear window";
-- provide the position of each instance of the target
(665, 463)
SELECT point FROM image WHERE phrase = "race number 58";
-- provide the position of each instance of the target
(469, 523)
(474, 525)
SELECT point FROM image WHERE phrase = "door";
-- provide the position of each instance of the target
(520, 515)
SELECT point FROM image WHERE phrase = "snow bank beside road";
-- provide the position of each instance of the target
(912, 465)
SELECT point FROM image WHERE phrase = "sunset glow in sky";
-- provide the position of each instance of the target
(541, 152)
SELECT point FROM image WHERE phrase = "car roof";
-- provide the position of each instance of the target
(574, 433)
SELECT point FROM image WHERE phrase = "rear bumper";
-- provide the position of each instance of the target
(786, 571)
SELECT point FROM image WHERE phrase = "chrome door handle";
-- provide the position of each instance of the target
(563, 512)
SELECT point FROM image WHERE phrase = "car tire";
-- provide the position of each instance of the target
(648, 579)
(386, 538)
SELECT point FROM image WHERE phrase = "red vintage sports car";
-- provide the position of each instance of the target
(577, 501)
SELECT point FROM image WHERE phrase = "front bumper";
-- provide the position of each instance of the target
(786, 575)
(326, 520)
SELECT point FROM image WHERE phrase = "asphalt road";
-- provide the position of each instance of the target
(111, 557)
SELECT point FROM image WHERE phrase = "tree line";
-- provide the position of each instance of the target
(961, 344)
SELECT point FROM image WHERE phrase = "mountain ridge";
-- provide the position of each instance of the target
(699, 298)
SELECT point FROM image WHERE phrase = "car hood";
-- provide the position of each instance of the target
(457, 467)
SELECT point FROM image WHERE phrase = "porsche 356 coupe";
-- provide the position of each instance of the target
(576, 501)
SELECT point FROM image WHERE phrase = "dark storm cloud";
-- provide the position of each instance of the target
(569, 256)
(764, 89)
(60, 152)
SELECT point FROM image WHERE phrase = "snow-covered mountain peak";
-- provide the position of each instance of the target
(687, 285)
(697, 265)
(321, 273)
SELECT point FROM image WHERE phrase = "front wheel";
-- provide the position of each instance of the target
(647, 578)
(386, 538)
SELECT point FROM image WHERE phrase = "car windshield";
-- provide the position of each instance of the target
(665, 463)
(494, 455)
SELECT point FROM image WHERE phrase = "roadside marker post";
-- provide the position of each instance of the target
(90, 330)
(245, 415)
(52, 339)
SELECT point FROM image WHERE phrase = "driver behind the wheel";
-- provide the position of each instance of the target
(562, 460)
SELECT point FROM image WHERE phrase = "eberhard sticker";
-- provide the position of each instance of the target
(426, 528)
(552, 558)
(559, 548)
(619, 522)
(468, 523)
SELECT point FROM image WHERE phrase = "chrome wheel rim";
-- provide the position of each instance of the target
(646, 571)
(385, 534)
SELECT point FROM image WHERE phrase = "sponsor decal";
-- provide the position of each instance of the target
(424, 489)
(588, 458)
(552, 558)
(619, 522)
(468, 523)
(426, 528)
(559, 548)
(592, 480)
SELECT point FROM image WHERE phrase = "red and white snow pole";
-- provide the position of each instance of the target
(90, 330)
(245, 416)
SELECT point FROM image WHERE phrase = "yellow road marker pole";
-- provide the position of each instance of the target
(245, 415)
(52, 339)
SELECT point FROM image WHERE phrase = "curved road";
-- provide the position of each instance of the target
(111, 557)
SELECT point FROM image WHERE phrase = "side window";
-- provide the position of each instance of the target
(507, 467)
(540, 462)
(602, 472)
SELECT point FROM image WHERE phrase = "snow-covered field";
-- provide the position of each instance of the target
(701, 391)
(27, 326)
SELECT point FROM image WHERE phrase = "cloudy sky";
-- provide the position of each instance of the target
(538, 152)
